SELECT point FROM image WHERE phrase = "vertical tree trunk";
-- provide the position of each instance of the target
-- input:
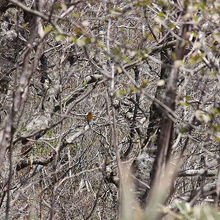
(166, 125)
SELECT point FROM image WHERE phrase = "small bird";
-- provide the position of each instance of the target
(89, 117)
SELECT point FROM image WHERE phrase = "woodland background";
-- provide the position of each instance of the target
(148, 71)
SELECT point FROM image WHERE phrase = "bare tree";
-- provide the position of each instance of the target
(91, 89)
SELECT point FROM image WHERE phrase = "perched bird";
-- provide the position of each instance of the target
(89, 117)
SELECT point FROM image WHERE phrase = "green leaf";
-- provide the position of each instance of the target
(188, 98)
(48, 28)
(122, 92)
(83, 41)
(60, 37)
(77, 15)
(145, 83)
(162, 15)
(197, 58)
(185, 104)
(216, 128)
(217, 139)
(216, 111)
(143, 3)
(173, 26)
(184, 207)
